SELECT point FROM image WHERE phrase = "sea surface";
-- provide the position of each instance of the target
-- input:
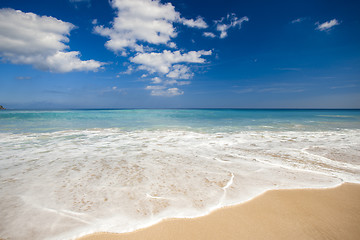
(64, 174)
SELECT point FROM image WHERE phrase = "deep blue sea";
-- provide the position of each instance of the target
(64, 174)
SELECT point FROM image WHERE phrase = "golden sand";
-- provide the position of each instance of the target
(278, 214)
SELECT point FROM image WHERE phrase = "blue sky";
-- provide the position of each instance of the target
(179, 54)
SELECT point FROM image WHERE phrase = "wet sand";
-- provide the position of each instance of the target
(278, 214)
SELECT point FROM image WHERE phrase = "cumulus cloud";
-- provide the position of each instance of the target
(231, 20)
(166, 64)
(172, 45)
(326, 26)
(138, 28)
(180, 72)
(163, 91)
(143, 21)
(198, 23)
(156, 80)
(26, 38)
(139, 20)
(209, 34)
(162, 62)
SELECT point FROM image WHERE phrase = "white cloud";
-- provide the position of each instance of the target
(67, 62)
(156, 80)
(139, 20)
(165, 63)
(113, 90)
(172, 45)
(174, 92)
(224, 24)
(327, 25)
(175, 82)
(155, 87)
(180, 72)
(94, 21)
(26, 38)
(162, 89)
(23, 78)
(298, 20)
(209, 34)
(198, 23)
(77, 3)
(164, 92)
(138, 27)
(129, 70)
(143, 21)
(162, 62)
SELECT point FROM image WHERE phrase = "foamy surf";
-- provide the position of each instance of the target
(64, 184)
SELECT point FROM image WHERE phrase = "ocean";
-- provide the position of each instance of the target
(64, 174)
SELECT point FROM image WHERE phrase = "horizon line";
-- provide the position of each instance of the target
(181, 108)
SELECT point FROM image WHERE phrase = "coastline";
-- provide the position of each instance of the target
(68, 174)
(330, 213)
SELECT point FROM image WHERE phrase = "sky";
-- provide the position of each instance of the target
(84, 54)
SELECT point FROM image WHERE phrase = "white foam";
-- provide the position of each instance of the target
(65, 184)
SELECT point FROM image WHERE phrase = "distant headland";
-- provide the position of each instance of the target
(2, 108)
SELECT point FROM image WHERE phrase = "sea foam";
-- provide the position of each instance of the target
(65, 184)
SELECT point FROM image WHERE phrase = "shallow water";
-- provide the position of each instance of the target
(67, 173)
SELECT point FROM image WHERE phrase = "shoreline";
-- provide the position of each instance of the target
(306, 213)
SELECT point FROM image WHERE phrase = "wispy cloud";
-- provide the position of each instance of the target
(344, 86)
(23, 78)
(326, 26)
(26, 38)
(298, 20)
(289, 69)
(280, 90)
(77, 3)
(176, 82)
(114, 90)
(324, 77)
(268, 89)
(231, 21)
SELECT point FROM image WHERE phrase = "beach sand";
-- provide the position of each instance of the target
(278, 214)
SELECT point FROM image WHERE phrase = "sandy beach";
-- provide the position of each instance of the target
(278, 214)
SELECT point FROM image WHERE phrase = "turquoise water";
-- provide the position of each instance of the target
(208, 120)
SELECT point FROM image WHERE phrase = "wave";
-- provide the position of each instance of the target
(63, 184)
